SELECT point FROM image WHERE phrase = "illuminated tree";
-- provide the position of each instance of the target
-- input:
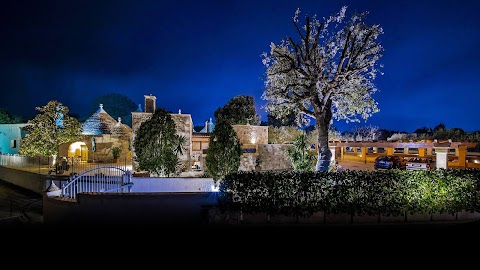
(157, 144)
(239, 110)
(224, 151)
(326, 75)
(283, 134)
(365, 133)
(50, 128)
(333, 134)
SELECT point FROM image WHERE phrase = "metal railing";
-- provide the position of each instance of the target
(100, 179)
(63, 166)
(27, 163)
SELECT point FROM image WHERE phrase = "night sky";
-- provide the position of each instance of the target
(196, 55)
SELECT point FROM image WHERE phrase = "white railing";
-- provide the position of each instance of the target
(63, 166)
(100, 179)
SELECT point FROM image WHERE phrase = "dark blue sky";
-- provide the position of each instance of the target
(196, 55)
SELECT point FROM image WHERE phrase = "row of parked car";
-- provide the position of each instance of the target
(387, 162)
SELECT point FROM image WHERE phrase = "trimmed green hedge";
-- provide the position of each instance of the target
(392, 192)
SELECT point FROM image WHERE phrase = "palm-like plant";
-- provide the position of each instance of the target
(302, 159)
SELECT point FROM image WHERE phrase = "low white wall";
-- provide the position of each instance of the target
(159, 184)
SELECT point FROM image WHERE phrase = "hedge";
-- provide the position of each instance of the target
(392, 192)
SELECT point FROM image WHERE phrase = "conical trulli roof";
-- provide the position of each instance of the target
(99, 123)
(120, 130)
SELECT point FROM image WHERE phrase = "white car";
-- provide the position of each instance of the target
(420, 164)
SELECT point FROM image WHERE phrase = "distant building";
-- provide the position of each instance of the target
(10, 138)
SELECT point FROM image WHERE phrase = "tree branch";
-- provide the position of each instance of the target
(298, 29)
(361, 48)
(345, 48)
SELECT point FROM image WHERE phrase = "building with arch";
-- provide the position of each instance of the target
(100, 134)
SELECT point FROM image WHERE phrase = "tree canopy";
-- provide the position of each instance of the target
(117, 105)
(423, 130)
(157, 144)
(224, 151)
(287, 120)
(7, 118)
(328, 74)
(239, 110)
(283, 134)
(50, 128)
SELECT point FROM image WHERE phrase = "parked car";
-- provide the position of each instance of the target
(420, 164)
(386, 162)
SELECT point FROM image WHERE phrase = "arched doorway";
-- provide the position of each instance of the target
(78, 150)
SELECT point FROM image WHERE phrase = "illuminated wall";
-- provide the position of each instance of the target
(10, 138)
(249, 134)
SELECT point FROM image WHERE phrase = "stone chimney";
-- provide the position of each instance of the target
(150, 103)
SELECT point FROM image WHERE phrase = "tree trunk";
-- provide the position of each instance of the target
(324, 154)
(54, 160)
(322, 124)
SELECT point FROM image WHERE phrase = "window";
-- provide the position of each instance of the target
(412, 150)
(13, 143)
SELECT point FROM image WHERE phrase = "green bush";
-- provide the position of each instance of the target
(392, 193)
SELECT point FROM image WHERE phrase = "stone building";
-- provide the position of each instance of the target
(183, 123)
(254, 140)
(100, 134)
(200, 142)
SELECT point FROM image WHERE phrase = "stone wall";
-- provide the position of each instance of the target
(137, 119)
(248, 134)
(184, 126)
(272, 157)
(268, 157)
(248, 162)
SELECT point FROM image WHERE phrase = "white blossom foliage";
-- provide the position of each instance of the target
(332, 67)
